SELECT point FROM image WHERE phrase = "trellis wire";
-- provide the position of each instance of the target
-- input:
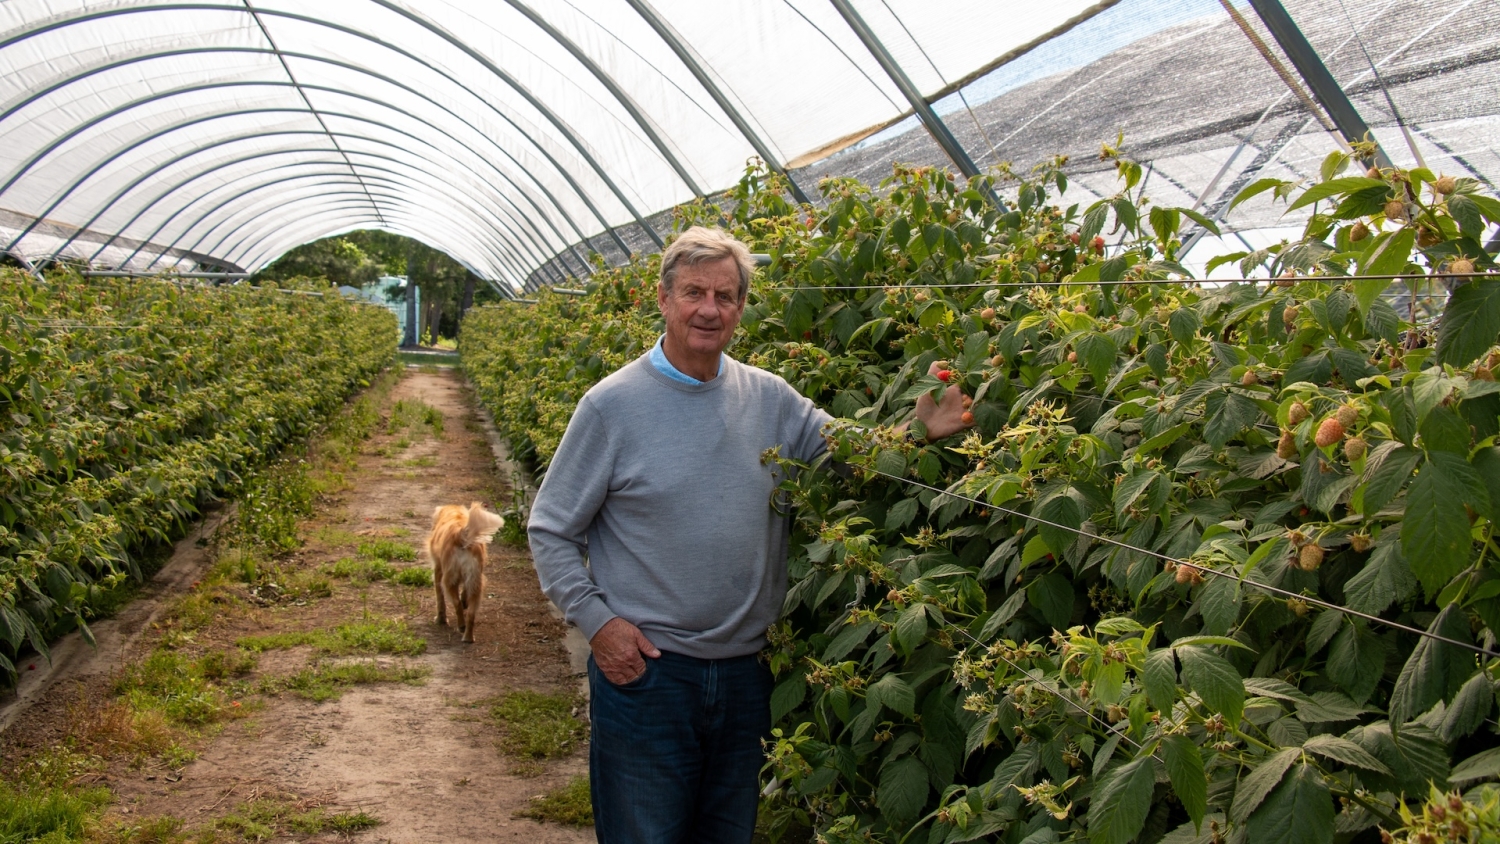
(1124, 282)
(1317, 602)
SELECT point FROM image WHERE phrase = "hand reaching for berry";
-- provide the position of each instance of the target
(950, 414)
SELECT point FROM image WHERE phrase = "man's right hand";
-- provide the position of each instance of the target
(618, 648)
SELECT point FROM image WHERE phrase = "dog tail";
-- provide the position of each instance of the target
(482, 525)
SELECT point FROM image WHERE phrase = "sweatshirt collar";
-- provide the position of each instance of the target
(665, 367)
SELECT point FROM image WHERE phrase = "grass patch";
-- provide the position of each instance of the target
(569, 805)
(183, 690)
(388, 550)
(368, 635)
(261, 820)
(424, 462)
(414, 576)
(329, 682)
(427, 361)
(363, 569)
(49, 813)
(335, 536)
(538, 726)
(413, 416)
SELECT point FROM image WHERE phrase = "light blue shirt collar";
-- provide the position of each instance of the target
(665, 367)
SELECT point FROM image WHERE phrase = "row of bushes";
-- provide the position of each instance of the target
(1116, 608)
(126, 404)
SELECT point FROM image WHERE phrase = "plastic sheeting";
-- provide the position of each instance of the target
(146, 134)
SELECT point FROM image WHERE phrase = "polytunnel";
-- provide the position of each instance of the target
(521, 135)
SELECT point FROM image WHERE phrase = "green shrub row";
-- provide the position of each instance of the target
(126, 404)
(1117, 608)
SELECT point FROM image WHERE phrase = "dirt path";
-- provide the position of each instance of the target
(421, 758)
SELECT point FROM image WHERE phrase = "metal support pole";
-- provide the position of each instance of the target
(409, 336)
(929, 118)
(1312, 70)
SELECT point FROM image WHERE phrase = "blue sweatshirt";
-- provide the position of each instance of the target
(657, 508)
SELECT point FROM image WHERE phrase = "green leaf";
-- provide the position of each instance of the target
(1345, 751)
(788, 695)
(1264, 777)
(1356, 661)
(1121, 801)
(1061, 510)
(1256, 187)
(1470, 323)
(1469, 708)
(1466, 213)
(1435, 534)
(1215, 680)
(1219, 603)
(1481, 766)
(1052, 595)
(911, 627)
(1487, 465)
(1385, 478)
(1160, 678)
(903, 790)
(901, 513)
(1005, 613)
(1235, 413)
(1097, 353)
(1183, 325)
(1424, 678)
(894, 693)
(1333, 187)
(1185, 768)
(1388, 255)
(1299, 811)
(1384, 579)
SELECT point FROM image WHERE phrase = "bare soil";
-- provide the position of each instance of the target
(421, 758)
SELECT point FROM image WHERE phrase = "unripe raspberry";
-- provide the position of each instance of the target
(1163, 313)
(1330, 432)
(1460, 265)
(1072, 357)
(1427, 236)
(1395, 211)
(1373, 173)
(1359, 231)
(1297, 606)
(1080, 308)
(1310, 557)
(1347, 416)
(997, 360)
(1286, 448)
(1289, 315)
(894, 596)
(1354, 449)
(1286, 279)
(1360, 542)
(1483, 373)
(1249, 379)
(967, 418)
(987, 314)
(1185, 574)
(1445, 185)
(1296, 413)
(921, 296)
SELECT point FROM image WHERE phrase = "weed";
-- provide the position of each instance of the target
(334, 536)
(414, 576)
(328, 682)
(412, 415)
(175, 686)
(218, 665)
(385, 549)
(366, 636)
(538, 726)
(569, 805)
(177, 757)
(159, 830)
(362, 569)
(424, 462)
(48, 813)
(513, 532)
(278, 641)
(260, 820)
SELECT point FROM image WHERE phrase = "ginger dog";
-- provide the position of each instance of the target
(458, 544)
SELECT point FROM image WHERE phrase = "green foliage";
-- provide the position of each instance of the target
(365, 636)
(328, 682)
(386, 550)
(55, 815)
(125, 405)
(570, 805)
(413, 415)
(263, 820)
(538, 726)
(947, 667)
(414, 576)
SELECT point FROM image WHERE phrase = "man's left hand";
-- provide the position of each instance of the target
(947, 416)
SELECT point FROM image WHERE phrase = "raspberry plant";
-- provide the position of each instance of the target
(1111, 609)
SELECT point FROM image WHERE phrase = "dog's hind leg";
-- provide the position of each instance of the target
(437, 582)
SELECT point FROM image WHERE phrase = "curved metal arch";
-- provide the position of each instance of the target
(562, 127)
(547, 192)
(139, 58)
(626, 101)
(330, 208)
(685, 54)
(204, 118)
(421, 191)
(191, 89)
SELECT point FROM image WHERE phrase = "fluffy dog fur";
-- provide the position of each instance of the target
(458, 544)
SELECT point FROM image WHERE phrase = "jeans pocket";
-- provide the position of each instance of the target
(637, 683)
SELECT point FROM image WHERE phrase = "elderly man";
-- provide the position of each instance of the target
(659, 485)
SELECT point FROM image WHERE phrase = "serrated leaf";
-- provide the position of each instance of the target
(1388, 255)
(1183, 325)
(901, 513)
(1052, 595)
(1121, 801)
(1356, 661)
(1345, 751)
(1066, 518)
(1255, 188)
(1234, 414)
(787, 696)
(1383, 480)
(1384, 579)
(911, 627)
(1264, 777)
(895, 693)
(1184, 765)
(1334, 187)
(1160, 678)
(903, 790)
(1005, 613)
(1435, 533)
(1322, 631)
(1470, 323)
(1299, 811)
(1215, 680)
(1469, 708)
(1097, 352)
(1425, 676)
(1219, 604)
(1480, 766)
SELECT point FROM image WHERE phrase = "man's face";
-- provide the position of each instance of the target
(704, 306)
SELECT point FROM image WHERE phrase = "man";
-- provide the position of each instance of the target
(658, 483)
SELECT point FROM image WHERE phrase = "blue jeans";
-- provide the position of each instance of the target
(675, 755)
